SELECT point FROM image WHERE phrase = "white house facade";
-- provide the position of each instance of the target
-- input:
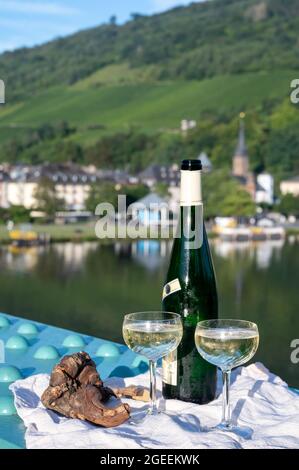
(72, 185)
(290, 186)
(264, 189)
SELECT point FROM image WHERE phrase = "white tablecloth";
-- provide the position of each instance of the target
(261, 403)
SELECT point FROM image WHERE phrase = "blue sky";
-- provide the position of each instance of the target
(31, 22)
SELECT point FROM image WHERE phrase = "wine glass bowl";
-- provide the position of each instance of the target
(153, 335)
(227, 343)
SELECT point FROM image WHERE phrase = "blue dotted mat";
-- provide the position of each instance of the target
(28, 348)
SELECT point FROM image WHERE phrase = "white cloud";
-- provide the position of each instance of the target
(32, 7)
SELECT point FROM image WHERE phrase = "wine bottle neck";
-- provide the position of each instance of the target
(191, 194)
(190, 228)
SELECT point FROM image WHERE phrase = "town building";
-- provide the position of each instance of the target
(264, 189)
(153, 174)
(187, 125)
(19, 184)
(119, 177)
(290, 186)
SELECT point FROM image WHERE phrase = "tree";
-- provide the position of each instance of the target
(101, 192)
(161, 189)
(18, 214)
(109, 192)
(71, 152)
(223, 196)
(136, 16)
(113, 20)
(238, 204)
(135, 192)
(46, 198)
(289, 205)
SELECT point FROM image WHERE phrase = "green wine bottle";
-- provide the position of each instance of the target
(190, 290)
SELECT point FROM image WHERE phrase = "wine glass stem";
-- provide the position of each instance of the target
(153, 387)
(226, 415)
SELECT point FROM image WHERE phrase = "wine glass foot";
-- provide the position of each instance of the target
(242, 431)
(140, 416)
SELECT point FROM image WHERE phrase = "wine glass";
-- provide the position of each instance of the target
(154, 335)
(226, 344)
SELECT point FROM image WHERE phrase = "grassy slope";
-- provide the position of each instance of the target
(150, 106)
(118, 74)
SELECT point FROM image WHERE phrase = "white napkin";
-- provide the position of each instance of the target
(261, 403)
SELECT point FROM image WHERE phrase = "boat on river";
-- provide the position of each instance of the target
(24, 237)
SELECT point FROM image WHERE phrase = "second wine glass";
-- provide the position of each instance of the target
(153, 335)
(227, 344)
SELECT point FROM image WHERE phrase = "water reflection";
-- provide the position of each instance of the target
(262, 252)
(19, 259)
(73, 255)
(70, 255)
(88, 287)
(150, 253)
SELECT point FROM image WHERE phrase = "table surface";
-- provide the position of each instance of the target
(28, 348)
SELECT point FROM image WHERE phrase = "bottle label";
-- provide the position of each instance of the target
(171, 287)
(169, 368)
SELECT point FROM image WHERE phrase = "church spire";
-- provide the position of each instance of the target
(240, 159)
(241, 149)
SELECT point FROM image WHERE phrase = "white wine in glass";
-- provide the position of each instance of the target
(226, 344)
(153, 340)
(153, 335)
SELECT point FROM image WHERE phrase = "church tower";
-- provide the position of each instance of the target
(240, 159)
(241, 162)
